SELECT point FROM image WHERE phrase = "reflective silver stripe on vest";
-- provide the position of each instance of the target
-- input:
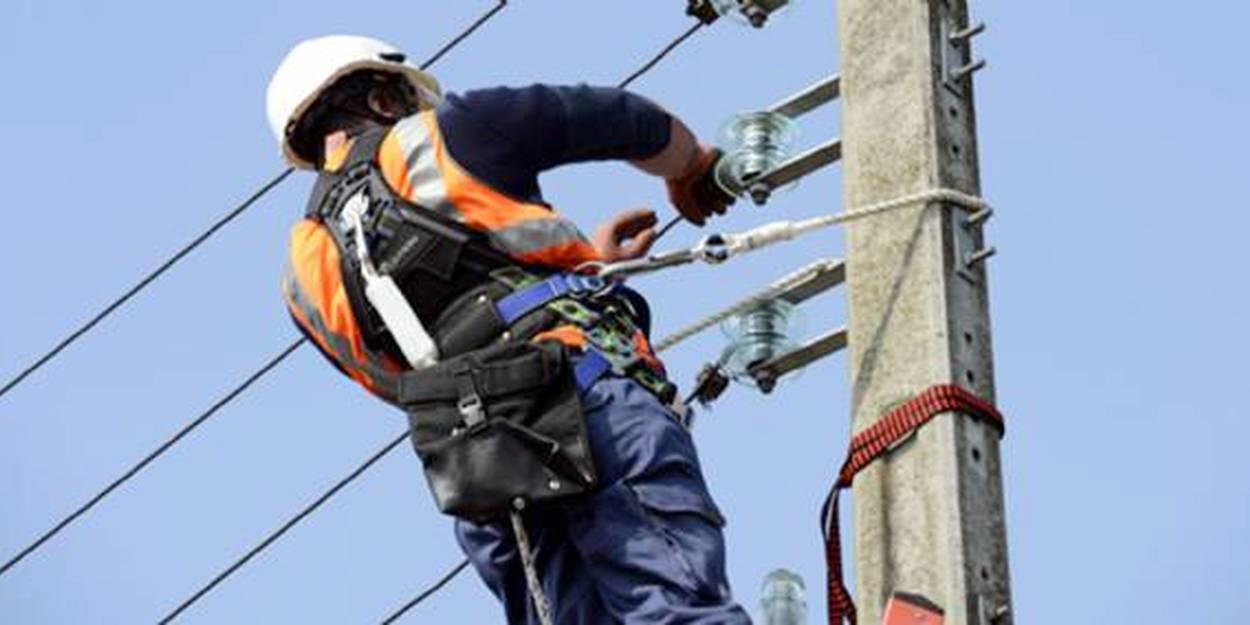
(386, 383)
(537, 234)
(428, 188)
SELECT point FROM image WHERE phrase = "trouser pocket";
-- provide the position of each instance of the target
(498, 425)
(690, 525)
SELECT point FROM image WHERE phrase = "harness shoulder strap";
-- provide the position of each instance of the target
(330, 193)
(331, 188)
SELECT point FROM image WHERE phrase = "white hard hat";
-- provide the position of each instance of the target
(313, 65)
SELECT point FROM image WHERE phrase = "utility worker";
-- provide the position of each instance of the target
(436, 199)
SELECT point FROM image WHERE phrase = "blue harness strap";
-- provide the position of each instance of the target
(590, 368)
(593, 364)
(517, 304)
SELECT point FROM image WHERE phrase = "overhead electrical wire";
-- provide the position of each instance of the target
(156, 453)
(143, 283)
(646, 67)
(228, 397)
(464, 34)
(285, 527)
(425, 594)
(207, 234)
(378, 455)
(655, 60)
(669, 225)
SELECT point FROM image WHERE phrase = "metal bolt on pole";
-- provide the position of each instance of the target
(929, 517)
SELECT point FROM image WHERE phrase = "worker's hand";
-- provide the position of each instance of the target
(695, 193)
(628, 235)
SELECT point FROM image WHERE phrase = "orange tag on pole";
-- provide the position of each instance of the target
(907, 609)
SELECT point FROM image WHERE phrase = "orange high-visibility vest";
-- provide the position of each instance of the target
(417, 167)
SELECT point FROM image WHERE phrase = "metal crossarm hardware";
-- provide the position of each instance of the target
(794, 288)
(810, 98)
(799, 166)
(768, 372)
(753, 12)
(823, 275)
(757, 158)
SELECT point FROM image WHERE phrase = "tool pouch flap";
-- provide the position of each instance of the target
(499, 424)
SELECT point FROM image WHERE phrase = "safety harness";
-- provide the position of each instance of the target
(876, 441)
(425, 287)
(494, 408)
(483, 385)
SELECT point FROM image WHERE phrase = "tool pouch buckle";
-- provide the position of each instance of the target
(499, 424)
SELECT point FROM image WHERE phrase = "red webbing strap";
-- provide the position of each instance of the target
(874, 442)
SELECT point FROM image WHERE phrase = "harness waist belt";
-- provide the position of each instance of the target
(524, 301)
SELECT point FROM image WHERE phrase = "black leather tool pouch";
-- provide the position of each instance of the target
(498, 425)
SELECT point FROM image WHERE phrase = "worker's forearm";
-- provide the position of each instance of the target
(677, 158)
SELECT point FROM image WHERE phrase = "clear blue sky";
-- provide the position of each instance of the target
(1113, 142)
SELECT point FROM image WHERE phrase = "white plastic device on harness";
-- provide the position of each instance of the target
(420, 351)
(384, 295)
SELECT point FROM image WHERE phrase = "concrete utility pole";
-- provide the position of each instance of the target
(929, 517)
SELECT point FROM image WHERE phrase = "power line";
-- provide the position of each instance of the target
(425, 594)
(464, 34)
(218, 225)
(292, 522)
(158, 452)
(667, 226)
(646, 67)
(148, 279)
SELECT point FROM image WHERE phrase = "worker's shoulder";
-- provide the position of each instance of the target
(495, 119)
(503, 95)
(534, 96)
(502, 106)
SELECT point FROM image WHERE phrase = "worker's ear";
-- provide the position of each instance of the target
(390, 103)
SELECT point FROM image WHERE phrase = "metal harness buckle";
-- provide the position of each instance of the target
(470, 403)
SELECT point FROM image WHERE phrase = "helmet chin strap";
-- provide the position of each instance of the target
(355, 120)
(354, 107)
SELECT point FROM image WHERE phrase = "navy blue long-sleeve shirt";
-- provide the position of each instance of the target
(506, 136)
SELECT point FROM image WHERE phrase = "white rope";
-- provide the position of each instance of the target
(785, 230)
(768, 293)
(950, 196)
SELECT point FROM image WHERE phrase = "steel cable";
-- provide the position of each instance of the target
(655, 60)
(646, 67)
(464, 34)
(425, 594)
(158, 452)
(285, 527)
(143, 283)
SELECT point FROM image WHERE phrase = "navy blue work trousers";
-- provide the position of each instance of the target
(645, 547)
